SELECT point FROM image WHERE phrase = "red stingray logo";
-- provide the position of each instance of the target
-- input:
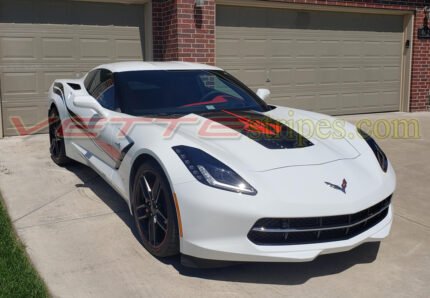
(342, 188)
(344, 184)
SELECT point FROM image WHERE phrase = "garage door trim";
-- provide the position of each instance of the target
(298, 6)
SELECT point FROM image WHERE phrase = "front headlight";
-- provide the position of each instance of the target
(380, 155)
(210, 171)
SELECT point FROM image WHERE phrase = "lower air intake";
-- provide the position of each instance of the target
(308, 230)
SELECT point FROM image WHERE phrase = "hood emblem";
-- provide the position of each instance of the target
(342, 188)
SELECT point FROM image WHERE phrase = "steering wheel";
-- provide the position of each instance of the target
(209, 99)
(211, 95)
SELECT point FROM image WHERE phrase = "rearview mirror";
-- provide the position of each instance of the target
(89, 103)
(264, 94)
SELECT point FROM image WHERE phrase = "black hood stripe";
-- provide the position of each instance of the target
(260, 128)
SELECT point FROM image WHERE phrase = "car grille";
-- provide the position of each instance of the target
(307, 230)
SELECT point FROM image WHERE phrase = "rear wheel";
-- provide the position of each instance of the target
(154, 211)
(57, 147)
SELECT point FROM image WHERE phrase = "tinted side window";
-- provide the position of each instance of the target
(103, 90)
(94, 83)
(89, 79)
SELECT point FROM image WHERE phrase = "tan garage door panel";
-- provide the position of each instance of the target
(33, 55)
(336, 63)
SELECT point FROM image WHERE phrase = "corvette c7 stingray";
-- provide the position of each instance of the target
(211, 171)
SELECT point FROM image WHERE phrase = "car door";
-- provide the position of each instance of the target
(96, 131)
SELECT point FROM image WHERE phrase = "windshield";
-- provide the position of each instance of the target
(166, 92)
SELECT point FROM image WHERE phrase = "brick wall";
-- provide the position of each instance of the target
(185, 32)
(165, 30)
(420, 80)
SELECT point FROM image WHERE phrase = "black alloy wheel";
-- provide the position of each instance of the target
(57, 147)
(154, 211)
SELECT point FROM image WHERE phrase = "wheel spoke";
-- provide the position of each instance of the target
(141, 207)
(151, 231)
(53, 127)
(161, 215)
(145, 216)
(146, 184)
(154, 233)
(54, 146)
(156, 190)
(161, 226)
(144, 187)
(163, 222)
(57, 131)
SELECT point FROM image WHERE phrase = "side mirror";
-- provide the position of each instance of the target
(264, 94)
(88, 102)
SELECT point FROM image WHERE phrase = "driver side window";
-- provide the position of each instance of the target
(102, 88)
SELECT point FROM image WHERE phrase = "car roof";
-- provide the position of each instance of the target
(143, 65)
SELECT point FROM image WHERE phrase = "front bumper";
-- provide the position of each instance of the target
(216, 223)
(248, 252)
(241, 249)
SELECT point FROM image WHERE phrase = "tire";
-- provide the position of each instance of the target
(154, 211)
(57, 147)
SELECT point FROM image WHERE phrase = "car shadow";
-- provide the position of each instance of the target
(283, 273)
(262, 273)
(91, 180)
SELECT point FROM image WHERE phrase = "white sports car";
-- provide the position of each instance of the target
(212, 171)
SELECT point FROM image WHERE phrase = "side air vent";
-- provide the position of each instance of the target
(74, 86)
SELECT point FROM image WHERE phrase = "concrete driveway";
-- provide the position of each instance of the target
(78, 233)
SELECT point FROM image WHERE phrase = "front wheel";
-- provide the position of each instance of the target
(154, 211)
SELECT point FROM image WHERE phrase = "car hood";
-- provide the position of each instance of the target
(266, 141)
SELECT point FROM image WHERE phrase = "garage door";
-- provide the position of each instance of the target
(44, 40)
(335, 63)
